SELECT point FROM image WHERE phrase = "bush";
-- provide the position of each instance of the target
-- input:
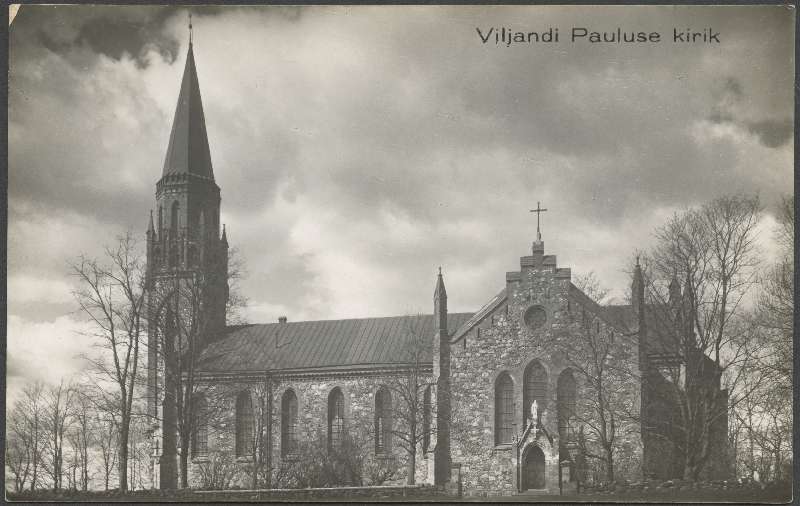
(314, 465)
(219, 472)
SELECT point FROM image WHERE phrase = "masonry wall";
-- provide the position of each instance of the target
(503, 342)
(312, 396)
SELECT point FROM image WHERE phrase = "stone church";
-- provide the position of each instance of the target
(502, 389)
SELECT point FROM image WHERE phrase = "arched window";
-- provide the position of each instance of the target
(200, 427)
(535, 382)
(567, 395)
(426, 419)
(244, 425)
(160, 220)
(173, 221)
(288, 423)
(335, 418)
(503, 409)
(383, 420)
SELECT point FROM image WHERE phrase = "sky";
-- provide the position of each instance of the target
(360, 148)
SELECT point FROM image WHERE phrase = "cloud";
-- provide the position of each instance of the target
(359, 148)
(773, 133)
(45, 351)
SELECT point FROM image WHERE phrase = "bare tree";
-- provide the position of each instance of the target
(107, 444)
(57, 422)
(764, 419)
(26, 436)
(184, 323)
(260, 467)
(111, 295)
(601, 357)
(82, 435)
(775, 310)
(713, 249)
(408, 389)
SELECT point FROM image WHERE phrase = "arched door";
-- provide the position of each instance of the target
(533, 469)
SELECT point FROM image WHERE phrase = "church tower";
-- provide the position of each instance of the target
(187, 268)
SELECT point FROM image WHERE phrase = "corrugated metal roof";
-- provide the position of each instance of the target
(361, 342)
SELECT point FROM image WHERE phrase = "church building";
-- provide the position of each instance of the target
(504, 393)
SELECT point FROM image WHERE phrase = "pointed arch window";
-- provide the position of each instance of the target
(244, 424)
(383, 420)
(535, 388)
(427, 406)
(567, 397)
(335, 419)
(289, 423)
(503, 409)
(200, 427)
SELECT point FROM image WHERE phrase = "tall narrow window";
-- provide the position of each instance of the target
(426, 419)
(200, 426)
(567, 396)
(503, 409)
(173, 221)
(535, 382)
(335, 418)
(383, 420)
(289, 423)
(244, 425)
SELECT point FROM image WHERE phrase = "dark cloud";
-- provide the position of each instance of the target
(773, 133)
(359, 147)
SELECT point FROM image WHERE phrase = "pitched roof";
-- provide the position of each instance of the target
(188, 151)
(481, 315)
(315, 345)
(659, 341)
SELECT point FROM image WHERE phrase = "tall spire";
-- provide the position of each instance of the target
(150, 227)
(440, 291)
(188, 151)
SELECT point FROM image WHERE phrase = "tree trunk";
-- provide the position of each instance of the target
(184, 460)
(609, 465)
(123, 454)
(412, 467)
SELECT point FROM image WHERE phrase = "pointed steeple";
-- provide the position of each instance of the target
(440, 291)
(188, 151)
(674, 291)
(637, 287)
(224, 237)
(150, 227)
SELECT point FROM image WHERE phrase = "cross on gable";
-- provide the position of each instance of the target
(539, 210)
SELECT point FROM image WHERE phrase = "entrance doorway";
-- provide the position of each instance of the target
(533, 469)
